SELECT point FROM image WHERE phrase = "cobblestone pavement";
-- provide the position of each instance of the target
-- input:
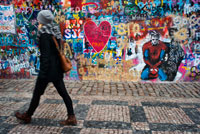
(104, 108)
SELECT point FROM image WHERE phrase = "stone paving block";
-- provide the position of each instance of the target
(93, 92)
(197, 105)
(187, 106)
(45, 122)
(106, 94)
(29, 129)
(152, 94)
(77, 85)
(137, 114)
(100, 93)
(108, 113)
(167, 115)
(128, 92)
(71, 85)
(135, 93)
(7, 108)
(11, 120)
(134, 103)
(120, 88)
(94, 89)
(51, 111)
(114, 93)
(12, 99)
(5, 128)
(104, 131)
(173, 127)
(69, 130)
(3, 118)
(121, 93)
(88, 89)
(75, 90)
(107, 125)
(24, 107)
(160, 104)
(58, 101)
(81, 111)
(109, 102)
(141, 132)
(193, 113)
(140, 126)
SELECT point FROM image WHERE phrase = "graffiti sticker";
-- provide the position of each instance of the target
(7, 19)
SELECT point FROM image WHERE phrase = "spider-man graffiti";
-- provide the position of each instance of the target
(153, 55)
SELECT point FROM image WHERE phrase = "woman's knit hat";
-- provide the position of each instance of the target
(45, 17)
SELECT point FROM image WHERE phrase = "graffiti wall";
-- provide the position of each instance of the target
(112, 40)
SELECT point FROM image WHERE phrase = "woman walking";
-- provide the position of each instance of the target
(50, 68)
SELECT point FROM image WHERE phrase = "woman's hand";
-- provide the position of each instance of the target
(39, 26)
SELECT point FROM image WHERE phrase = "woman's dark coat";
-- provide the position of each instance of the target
(50, 66)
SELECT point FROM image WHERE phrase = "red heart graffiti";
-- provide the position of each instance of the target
(97, 36)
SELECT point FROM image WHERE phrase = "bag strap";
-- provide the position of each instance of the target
(56, 43)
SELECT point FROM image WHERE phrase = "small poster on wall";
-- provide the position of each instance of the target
(7, 19)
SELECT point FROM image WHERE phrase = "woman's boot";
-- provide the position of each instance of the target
(24, 117)
(71, 120)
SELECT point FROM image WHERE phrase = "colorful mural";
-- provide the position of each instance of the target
(112, 40)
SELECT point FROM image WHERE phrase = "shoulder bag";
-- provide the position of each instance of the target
(65, 62)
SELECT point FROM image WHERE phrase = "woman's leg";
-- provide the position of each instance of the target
(38, 91)
(60, 86)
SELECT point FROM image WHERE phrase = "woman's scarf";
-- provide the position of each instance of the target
(51, 28)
